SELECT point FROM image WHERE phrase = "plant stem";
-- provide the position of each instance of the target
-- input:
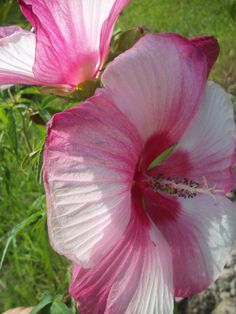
(25, 133)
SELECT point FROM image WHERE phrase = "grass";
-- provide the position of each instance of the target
(191, 18)
(30, 267)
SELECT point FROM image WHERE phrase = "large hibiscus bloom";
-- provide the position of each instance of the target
(141, 230)
(70, 42)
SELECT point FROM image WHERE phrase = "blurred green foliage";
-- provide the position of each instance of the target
(29, 265)
(191, 18)
(10, 13)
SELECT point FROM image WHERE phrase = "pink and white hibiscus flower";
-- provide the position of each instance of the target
(141, 230)
(69, 46)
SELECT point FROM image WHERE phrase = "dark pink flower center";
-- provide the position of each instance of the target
(159, 187)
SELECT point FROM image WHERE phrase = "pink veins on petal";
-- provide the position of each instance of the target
(138, 232)
(69, 46)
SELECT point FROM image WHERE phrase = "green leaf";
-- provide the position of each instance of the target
(11, 129)
(126, 39)
(55, 104)
(161, 157)
(45, 115)
(29, 158)
(59, 307)
(40, 165)
(44, 305)
(49, 305)
(86, 89)
(21, 106)
(176, 308)
(3, 116)
(30, 91)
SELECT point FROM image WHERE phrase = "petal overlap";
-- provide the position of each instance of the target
(135, 277)
(158, 84)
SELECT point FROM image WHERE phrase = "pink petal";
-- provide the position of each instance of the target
(209, 46)
(158, 84)
(89, 163)
(205, 153)
(161, 207)
(17, 53)
(107, 27)
(6, 31)
(72, 37)
(135, 277)
(201, 238)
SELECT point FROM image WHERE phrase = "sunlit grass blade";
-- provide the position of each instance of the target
(18, 228)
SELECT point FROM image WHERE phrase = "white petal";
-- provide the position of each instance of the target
(158, 84)
(135, 277)
(17, 54)
(89, 163)
(201, 239)
(208, 144)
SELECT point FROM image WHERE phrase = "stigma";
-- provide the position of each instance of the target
(180, 187)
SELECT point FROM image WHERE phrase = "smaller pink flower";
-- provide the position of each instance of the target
(140, 235)
(70, 42)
